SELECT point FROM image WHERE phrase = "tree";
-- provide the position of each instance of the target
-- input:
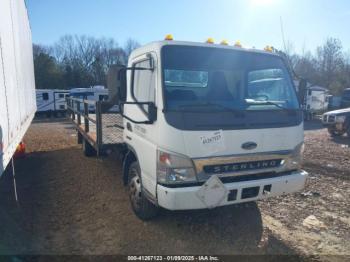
(330, 60)
(47, 72)
(85, 60)
(130, 45)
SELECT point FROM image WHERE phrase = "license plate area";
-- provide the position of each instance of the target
(250, 192)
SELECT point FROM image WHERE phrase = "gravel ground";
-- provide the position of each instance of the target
(70, 204)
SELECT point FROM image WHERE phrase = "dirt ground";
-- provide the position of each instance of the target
(71, 204)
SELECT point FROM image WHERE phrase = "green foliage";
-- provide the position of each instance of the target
(47, 73)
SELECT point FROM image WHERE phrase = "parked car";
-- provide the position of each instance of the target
(337, 122)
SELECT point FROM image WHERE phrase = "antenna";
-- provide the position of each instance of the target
(285, 50)
(282, 32)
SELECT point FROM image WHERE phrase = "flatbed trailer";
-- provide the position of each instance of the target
(100, 130)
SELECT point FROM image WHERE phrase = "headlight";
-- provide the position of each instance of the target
(340, 119)
(172, 169)
(296, 158)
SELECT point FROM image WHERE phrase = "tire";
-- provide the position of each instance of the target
(88, 149)
(334, 132)
(142, 207)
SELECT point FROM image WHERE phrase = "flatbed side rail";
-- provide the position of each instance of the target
(90, 112)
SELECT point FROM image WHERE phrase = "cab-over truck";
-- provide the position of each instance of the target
(200, 125)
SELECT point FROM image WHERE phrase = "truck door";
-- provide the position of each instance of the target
(142, 137)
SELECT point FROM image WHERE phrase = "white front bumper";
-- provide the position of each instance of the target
(187, 198)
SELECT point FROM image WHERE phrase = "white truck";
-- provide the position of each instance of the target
(316, 101)
(200, 126)
(51, 101)
(17, 86)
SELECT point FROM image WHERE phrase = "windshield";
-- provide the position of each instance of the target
(201, 78)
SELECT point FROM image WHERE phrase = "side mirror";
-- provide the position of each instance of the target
(116, 83)
(302, 87)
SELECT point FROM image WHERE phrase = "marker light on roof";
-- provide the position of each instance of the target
(238, 44)
(210, 41)
(268, 48)
(169, 37)
(224, 42)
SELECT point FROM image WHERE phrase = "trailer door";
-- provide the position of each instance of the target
(3, 113)
(9, 79)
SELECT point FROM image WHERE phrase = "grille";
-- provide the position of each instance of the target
(243, 166)
(331, 119)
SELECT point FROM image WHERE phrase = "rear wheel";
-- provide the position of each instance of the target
(141, 206)
(88, 149)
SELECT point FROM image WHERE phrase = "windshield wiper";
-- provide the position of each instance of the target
(209, 104)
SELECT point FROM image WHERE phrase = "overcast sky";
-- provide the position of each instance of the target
(307, 23)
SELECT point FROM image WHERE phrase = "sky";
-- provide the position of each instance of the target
(306, 23)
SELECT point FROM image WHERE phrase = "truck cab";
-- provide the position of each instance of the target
(208, 125)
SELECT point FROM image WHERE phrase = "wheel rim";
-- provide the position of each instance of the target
(135, 189)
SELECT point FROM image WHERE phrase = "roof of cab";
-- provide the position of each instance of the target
(157, 46)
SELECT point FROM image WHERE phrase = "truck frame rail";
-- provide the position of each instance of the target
(103, 129)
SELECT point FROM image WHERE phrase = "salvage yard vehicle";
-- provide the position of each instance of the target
(17, 85)
(51, 101)
(201, 125)
(94, 93)
(345, 99)
(337, 122)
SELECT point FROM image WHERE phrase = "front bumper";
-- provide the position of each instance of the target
(339, 126)
(187, 197)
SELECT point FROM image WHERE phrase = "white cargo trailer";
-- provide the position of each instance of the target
(17, 85)
(51, 101)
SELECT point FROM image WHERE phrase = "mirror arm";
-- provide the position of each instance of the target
(149, 122)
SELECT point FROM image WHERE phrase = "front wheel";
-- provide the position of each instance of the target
(334, 132)
(142, 207)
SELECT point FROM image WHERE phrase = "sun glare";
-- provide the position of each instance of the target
(261, 3)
